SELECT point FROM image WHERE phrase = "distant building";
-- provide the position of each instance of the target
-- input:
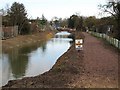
(104, 28)
(9, 32)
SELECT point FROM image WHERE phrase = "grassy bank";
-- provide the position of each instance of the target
(24, 40)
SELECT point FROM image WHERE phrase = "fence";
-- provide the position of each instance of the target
(8, 32)
(113, 41)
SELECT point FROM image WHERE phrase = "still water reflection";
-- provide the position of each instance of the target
(32, 60)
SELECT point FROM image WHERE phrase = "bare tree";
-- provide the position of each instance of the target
(113, 7)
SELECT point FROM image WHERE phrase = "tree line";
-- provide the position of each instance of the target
(109, 25)
(17, 15)
(113, 7)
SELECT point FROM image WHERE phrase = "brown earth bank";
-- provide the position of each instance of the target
(94, 67)
(25, 40)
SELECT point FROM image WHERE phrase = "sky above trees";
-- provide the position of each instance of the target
(58, 8)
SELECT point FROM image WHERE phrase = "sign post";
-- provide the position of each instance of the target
(79, 44)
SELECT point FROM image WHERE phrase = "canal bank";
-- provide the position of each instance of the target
(17, 56)
(34, 59)
(61, 75)
(26, 40)
(94, 67)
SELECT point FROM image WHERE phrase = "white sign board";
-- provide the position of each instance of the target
(79, 44)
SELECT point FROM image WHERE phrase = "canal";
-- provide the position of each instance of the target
(33, 60)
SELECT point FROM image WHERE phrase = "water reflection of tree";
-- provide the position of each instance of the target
(18, 58)
(18, 63)
(27, 49)
(71, 42)
(43, 46)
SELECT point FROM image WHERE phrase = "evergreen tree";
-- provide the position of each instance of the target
(18, 16)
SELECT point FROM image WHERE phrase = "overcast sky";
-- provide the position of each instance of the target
(58, 8)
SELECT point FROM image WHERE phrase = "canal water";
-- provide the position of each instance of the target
(33, 60)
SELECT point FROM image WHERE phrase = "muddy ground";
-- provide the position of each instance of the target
(94, 67)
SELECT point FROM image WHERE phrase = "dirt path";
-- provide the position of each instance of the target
(100, 65)
(94, 67)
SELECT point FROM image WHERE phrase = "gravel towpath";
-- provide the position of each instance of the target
(100, 65)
